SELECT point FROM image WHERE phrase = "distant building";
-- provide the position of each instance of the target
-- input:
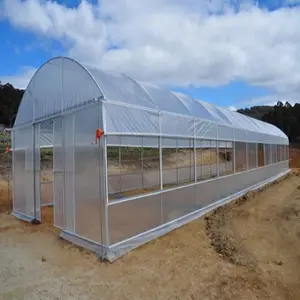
(2, 127)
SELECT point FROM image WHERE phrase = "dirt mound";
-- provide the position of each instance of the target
(294, 153)
(5, 205)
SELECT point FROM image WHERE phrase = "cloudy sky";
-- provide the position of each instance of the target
(233, 53)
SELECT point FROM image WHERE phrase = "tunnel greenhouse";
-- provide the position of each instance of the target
(130, 161)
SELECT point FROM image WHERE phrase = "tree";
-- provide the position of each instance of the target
(10, 99)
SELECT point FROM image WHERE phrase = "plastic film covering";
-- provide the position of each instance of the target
(122, 119)
(135, 222)
(70, 86)
(58, 173)
(195, 107)
(122, 89)
(178, 203)
(23, 176)
(130, 218)
(87, 181)
(137, 105)
(166, 101)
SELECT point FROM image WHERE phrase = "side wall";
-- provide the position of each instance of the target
(137, 221)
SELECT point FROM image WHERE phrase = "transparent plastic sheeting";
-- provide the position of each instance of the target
(133, 107)
(135, 222)
(76, 175)
(23, 170)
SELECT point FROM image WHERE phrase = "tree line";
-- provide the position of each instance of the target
(10, 99)
(283, 115)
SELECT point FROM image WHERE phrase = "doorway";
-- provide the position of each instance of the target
(46, 172)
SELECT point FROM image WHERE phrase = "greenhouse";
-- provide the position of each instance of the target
(130, 161)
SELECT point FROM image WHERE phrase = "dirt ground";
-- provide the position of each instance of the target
(248, 249)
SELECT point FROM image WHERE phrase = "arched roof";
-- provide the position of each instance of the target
(62, 84)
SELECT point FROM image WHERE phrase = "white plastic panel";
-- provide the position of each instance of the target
(225, 133)
(206, 129)
(23, 177)
(130, 218)
(195, 107)
(121, 119)
(175, 125)
(87, 180)
(70, 86)
(121, 88)
(178, 203)
(165, 100)
(240, 135)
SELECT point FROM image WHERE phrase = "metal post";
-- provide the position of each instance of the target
(8, 182)
(33, 150)
(233, 148)
(218, 167)
(161, 169)
(195, 160)
(247, 152)
(142, 162)
(177, 168)
(73, 172)
(256, 155)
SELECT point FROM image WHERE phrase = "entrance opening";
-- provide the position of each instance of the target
(46, 172)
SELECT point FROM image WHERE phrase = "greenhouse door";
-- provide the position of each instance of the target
(87, 190)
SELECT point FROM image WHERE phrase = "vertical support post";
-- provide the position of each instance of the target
(8, 169)
(217, 144)
(12, 137)
(103, 178)
(161, 169)
(256, 152)
(195, 160)
(247, 152)
(177, 156)
(195, 152)
(106, 190)
(233, 148)
(142, 162)
(120, 165)
(73, 171)
(63, 152)
(210, 170)
(33, 174)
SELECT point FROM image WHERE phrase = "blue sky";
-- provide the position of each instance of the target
(25, 46)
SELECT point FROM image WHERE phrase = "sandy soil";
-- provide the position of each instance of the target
(246, 250)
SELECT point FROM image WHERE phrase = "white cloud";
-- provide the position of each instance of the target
(21, 79)
(232, 108)
(175, 42)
